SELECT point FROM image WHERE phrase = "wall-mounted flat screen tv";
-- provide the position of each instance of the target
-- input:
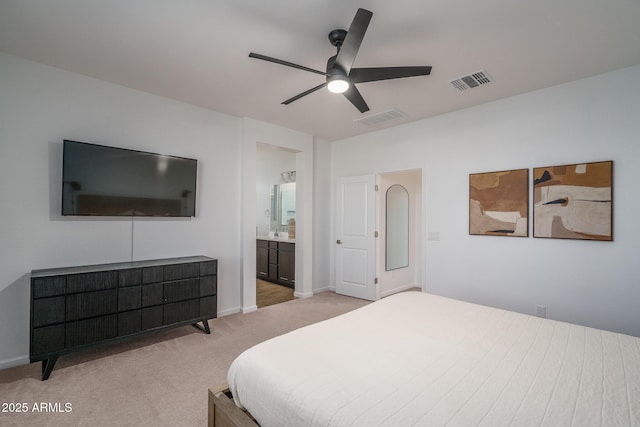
(108, 181)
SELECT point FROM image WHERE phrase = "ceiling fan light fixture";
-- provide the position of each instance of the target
(339, 84)
(341, 76)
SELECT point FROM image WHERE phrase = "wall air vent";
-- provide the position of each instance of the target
(384, 116)
(472, 80)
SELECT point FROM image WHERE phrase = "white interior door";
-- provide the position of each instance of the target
(355, 237)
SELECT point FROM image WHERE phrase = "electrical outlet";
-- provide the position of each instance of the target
(541, 311)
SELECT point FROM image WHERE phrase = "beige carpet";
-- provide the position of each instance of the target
(160, 379)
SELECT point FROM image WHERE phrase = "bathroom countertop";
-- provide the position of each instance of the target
(276, 239)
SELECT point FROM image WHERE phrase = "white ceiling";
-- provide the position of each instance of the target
(196, 50)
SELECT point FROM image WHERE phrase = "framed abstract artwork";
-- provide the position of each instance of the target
(499, 203)
(574, 201)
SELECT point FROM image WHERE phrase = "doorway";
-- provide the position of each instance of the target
(253, 132)
(379, 229)
(275, 223)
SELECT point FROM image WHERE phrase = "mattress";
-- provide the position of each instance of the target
(416, 359)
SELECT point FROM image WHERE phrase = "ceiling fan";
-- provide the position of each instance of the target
(341, 77)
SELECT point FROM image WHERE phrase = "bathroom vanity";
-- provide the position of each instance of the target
(276, 260)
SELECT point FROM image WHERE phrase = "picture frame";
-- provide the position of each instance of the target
(499, 203)
(574, 201)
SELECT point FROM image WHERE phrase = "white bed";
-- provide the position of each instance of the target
(420, 359)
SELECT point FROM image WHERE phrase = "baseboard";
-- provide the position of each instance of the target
(303, 294)
(229, 312)
(16, 361)
(246, 310)
(325, 289)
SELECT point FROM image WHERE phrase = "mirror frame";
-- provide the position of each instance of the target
(397, 228)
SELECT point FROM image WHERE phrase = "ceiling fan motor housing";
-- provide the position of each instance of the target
(333, 68)
(336, 37)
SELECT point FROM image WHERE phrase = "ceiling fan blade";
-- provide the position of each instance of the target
(353, 95)
(362, 75)
(351, 45)
(305, 93)
(285, 63)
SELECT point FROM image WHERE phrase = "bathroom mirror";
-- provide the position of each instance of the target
(397, 228)
(287, 202)
(283, 205)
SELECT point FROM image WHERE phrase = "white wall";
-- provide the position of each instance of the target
(39, 107)
(586, 282)
(322, 209)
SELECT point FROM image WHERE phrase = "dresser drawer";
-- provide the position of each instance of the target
(49, 286)
(91, 330)
(180, 311)
(181, 271)
(152, 294)
(129, 322)
(209, 306)
(131, 277)
(181, 290)
(208, 268)
(90, 304)
(87, 282)
(151, 317)
(48, 339)
(47, 311)
(129, 298)
(208, 285)
(152, 274)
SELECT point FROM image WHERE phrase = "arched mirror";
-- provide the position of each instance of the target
(397, 237)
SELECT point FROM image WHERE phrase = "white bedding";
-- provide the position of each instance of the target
(420, 359)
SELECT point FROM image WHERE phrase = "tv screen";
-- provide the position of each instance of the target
(109, 181)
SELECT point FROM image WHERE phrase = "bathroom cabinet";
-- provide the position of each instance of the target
(275, 261)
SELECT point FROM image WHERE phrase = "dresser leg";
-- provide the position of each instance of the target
(204, 328)
(47, 366)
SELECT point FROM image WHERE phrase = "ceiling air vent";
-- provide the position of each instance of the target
(384, 116)
(472, 80)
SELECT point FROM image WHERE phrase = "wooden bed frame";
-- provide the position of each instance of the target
(223, 412)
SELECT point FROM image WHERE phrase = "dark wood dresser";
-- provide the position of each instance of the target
(80, 307)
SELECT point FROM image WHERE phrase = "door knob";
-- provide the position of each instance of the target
(339, 242)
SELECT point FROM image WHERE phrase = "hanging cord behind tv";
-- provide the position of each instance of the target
(132, 221)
